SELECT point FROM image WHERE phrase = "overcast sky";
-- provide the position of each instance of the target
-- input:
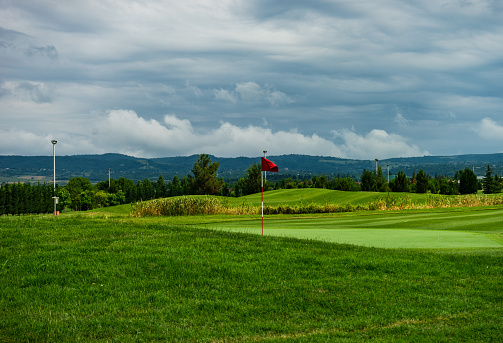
(358, 79)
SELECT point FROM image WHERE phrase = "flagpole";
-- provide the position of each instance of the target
(262, 188)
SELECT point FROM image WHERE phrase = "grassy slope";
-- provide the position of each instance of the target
(309, 195)
(82, 279)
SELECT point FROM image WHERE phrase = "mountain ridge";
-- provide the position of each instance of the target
(95, 167)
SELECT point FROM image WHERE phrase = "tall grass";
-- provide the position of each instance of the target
(208, 205)
(189, 206)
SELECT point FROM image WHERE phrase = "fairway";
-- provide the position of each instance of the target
(470, 228)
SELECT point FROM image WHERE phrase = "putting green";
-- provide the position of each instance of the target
(423, 230)
(385, 238)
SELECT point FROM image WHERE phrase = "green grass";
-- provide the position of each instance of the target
(462, 228)
(104, 278)
(309, 195)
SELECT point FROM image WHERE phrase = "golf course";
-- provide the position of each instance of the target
(419, 273)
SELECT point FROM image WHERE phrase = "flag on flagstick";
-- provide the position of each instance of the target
(266, 166)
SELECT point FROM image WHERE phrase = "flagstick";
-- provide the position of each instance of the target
(262, 187)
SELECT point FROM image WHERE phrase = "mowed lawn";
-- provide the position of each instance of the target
(105, 278)
(435, 229)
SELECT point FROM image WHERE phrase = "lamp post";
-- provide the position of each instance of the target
(376, 164)
(265, 173)
(108, 177)
(388, 172)
(54, 170)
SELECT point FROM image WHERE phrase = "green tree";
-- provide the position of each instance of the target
(400, 183)
(468, 183)
(129, 189)
(421, 182)
(204, 179)
(77, 188)
(380, 181)
(251, 183)
(367, 181)
(175, 188)
(147, 189)
(161, 189)
(488, 182)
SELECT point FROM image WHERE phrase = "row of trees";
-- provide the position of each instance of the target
(19, 198)
(80, 195)
(464, 182)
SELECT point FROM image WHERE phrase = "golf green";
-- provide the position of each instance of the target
(384, 238)
(423, 230)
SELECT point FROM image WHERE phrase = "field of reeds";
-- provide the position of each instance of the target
(328, 203)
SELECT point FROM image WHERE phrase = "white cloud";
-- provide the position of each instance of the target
(489, 129)
(131, 134)
(224, 95)
(126, 132)
(400, 119)
(376, 144)
(253, 92)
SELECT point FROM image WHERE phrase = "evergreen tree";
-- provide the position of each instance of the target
(488, 182)
(401, 183)
(204, 179)
(161, 189)
(367, 181)
(147, 189)
(421, 182)
(380, 181)
(176, 187)
(251, 183)
(2, 199)
(468, 183)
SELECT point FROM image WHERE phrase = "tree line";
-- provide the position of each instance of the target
(80, 195)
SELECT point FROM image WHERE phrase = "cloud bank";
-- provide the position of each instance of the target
(341, 78)
(124, 131)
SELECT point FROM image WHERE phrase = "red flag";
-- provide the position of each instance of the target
(268, 165)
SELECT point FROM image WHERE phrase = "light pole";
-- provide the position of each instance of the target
(54, 170)
(388, 172)
(265, 173)
(108, 177)
(376, 164)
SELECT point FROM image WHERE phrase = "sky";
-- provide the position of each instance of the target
(359, 79)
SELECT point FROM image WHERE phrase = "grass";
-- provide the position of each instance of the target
(101, 278)
(445, 228)
(317, 196)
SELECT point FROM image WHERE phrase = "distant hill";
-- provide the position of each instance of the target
(95, 167)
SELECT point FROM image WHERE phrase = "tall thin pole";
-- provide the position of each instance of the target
(108, 177)
(376, 164)
(388, 173)
(54, 163)
(262, 188)
(54, 170)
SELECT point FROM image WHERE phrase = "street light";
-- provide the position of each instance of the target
(265, 173)
(376, 164)
(54, 169)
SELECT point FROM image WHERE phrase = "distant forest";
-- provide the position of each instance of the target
(95, 167)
